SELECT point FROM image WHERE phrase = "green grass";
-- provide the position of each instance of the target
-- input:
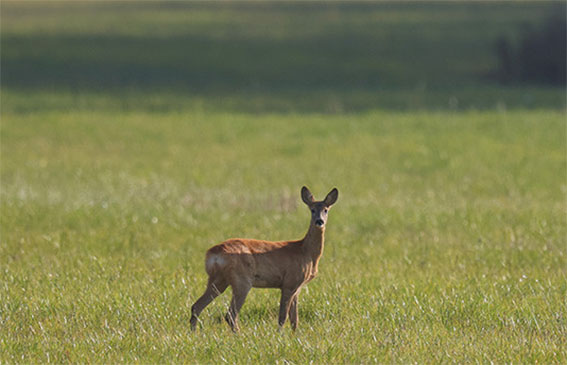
(447, 243)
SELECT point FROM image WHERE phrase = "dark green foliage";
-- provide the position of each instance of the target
(540, 55)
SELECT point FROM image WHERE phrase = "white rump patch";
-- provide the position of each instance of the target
(214, 260)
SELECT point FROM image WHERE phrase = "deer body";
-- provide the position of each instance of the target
(247, 263)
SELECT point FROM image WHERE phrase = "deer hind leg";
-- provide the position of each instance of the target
(239, 293)
(215, 287)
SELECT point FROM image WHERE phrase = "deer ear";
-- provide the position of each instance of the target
(332, 197)
(306, 196)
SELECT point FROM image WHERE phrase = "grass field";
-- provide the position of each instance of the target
(447, 243)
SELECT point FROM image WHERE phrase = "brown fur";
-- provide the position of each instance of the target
(247, 263)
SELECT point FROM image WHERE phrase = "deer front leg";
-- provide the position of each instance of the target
(285, 304)
(293, 312)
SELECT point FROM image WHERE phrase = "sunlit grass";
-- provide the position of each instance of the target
(447, 243)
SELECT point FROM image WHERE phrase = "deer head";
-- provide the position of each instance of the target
(319, 209)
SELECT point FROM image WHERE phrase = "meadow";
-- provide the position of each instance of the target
(128, 148)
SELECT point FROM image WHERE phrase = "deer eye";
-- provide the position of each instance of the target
(326, 210)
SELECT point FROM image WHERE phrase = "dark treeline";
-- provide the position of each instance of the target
(539, 56)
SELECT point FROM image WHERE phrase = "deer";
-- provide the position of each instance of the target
(244, 264)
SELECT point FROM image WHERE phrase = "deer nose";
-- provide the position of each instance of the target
(319, 222)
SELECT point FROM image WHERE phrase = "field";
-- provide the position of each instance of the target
(128, 148)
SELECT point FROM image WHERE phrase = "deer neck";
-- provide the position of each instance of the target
(314, 241)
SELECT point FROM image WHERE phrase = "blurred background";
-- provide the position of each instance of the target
(287, 56)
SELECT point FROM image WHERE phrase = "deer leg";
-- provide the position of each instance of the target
(285, 304)
(214, 289)
(239, 293)
(293, 314)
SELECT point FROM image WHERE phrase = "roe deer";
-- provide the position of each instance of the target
(245, 263)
